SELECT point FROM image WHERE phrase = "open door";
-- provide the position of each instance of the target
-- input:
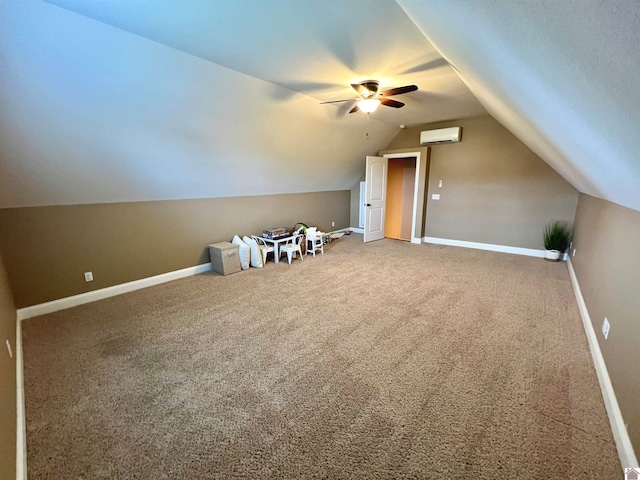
(376, 180)
(400, 203)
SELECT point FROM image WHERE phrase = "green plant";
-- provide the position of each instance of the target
(557, 235)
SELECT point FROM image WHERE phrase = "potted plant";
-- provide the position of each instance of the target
(557, 236)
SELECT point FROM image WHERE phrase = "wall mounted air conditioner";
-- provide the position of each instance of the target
(441, 135)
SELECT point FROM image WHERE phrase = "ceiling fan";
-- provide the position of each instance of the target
(371, 97)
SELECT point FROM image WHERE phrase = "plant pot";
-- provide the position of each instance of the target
(552, 255)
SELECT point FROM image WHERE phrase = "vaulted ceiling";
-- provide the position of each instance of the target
(128, 101)
(562, 76)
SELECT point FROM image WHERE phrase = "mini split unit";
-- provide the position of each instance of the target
(441, 135)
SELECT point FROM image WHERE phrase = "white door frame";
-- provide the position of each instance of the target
(414, 239)
(363, 196)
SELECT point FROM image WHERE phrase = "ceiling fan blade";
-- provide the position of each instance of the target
(399, 90)
(338, 101)
(391, 103)
(354, 109)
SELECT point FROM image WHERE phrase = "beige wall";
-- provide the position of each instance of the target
(7, 380)
(47, 249)
(607, 264)
(495, 190)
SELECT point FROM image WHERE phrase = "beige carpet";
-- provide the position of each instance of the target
(381, 360)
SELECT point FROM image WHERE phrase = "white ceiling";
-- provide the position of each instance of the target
(314, 48)
(563, 76)
(120, 100)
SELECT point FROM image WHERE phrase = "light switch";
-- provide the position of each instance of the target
(439, 183)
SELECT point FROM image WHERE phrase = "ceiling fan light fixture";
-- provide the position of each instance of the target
(368, 105)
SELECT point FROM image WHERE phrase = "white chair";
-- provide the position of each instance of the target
(264, 247)
(315, 241)
(292, 247)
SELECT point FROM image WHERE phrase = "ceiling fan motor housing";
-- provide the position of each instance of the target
(371, 86)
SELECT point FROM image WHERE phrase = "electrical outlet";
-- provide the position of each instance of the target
(333, 224)
(9, 349)
(435, 196)
(606, 326)
(88, 276)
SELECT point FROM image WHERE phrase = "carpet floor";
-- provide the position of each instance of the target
(379, 360)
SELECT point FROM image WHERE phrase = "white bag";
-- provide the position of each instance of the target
(245, 252)
(256, 254)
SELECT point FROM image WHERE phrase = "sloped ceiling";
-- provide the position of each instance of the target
(314, 48)
(562, 76)
(124, 101)
(129, 101)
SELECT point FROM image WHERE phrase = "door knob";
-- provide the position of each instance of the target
(367, 204)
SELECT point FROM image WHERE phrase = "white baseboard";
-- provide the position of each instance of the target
(417, 240)
(21, 427)
(347, 229)
(75, 300)
(620, 435)
(529, 252)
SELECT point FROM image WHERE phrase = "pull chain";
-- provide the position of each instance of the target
(367, 133)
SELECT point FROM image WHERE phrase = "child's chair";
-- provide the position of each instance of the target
(265, 249)
(315, 241)
(292, 247)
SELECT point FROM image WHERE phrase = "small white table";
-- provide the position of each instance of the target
(276, 248)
